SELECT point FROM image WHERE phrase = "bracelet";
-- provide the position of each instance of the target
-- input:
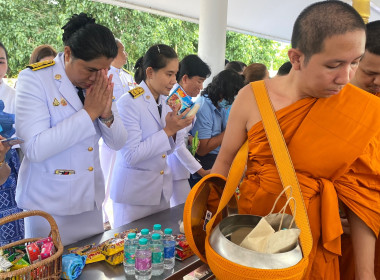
(107, 120)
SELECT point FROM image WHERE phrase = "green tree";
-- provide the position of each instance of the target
(250, 49)
(26, 24)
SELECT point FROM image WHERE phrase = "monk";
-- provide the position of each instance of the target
(334, 146)
(367, 77)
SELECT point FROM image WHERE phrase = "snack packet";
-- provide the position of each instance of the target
(115, 259)
(91, 251)
(47, 250)
(194, 144)
(179, 101)
(4, 264)
(125, 233)
(112, 246)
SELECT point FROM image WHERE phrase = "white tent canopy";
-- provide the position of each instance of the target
(272, 19)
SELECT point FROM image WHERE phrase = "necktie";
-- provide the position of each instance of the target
(80, 94)
(159, 109)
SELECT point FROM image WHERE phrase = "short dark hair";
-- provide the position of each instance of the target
(224, 85)
(41, 52)
(88, 40)
(373, 37)
(238, 66)
(320, 21)
(156, 57)
(192, 65)
(284, 69)
(6, 54)
(254, 72)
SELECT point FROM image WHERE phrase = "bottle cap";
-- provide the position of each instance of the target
(131, 235)
(156, 236)
(168, 231)
(157, 227)
(143, 241)
(145, 231)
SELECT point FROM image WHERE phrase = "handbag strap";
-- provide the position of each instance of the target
(284, 163)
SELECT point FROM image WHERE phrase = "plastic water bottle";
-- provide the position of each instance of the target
(144, 233)
(169, 249)
(130, 246)
(143, 261)
(157, 229)
(157, 255)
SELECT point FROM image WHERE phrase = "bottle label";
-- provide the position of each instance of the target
(143, 263)
(169, 252)
(129, 257)
(157, 257)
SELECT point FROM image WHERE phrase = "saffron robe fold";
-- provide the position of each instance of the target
(347, 262)
(334, 144)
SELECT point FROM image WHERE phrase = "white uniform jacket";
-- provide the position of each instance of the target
(123, 81)
(59, 135)
(181, 161)
(141, 173)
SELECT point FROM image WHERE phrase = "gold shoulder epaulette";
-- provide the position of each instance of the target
(136, 92)
(126, 71)
(42, 64)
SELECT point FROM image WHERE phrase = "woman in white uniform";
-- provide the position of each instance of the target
(193, 71)
(63, 107)
(142, 181)
(123, 82)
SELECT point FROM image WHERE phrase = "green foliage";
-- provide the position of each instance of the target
(250, 49)
(26, 24)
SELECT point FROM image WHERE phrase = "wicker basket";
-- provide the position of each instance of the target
(49, 268)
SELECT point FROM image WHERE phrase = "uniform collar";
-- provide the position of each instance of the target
(152, 106)
(117, 70)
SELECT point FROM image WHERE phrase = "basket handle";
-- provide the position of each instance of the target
(20, 215)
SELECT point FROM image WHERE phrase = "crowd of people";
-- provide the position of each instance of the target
(98, 137)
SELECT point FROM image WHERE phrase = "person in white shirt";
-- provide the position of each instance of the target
(142, 181)
(192, 73)
(63, 107)
(122, 78)
(123, 82)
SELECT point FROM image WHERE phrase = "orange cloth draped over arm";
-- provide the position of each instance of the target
(335, 152)
(347, 264)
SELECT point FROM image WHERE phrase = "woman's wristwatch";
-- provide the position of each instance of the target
(108, 120)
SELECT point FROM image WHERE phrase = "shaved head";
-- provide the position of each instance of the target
(320, 21)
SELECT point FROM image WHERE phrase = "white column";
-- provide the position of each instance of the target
(212, 34)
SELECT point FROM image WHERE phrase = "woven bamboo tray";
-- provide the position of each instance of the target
(49, 268)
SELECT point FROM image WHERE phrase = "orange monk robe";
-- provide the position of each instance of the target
(334, 144)
(347, 262)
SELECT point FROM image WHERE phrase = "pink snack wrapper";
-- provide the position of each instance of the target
(43, 241)
(47, 250)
